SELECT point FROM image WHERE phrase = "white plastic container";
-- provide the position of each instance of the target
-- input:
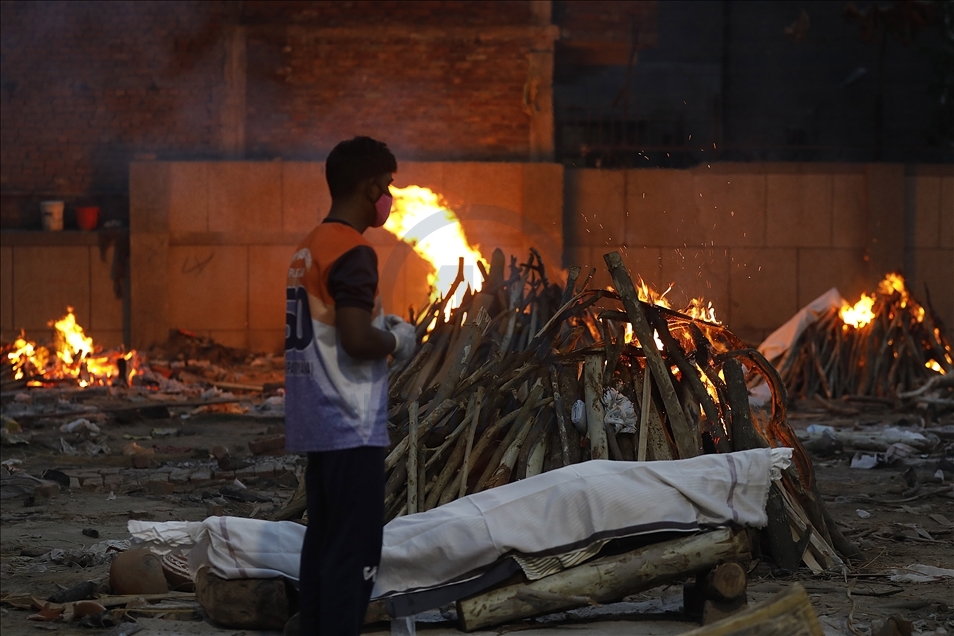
(52, 215)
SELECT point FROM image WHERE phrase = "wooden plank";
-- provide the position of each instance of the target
(603, 580)
(644, 417)
(688, 442)
(658, 447)
(412, 453)
(744, 435)
(593, 397)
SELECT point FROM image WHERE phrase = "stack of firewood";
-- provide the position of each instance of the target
(489, 397)
(900, 348)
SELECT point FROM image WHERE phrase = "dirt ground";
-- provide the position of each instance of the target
(899, 515)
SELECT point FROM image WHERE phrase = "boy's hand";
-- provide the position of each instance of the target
(405, 338)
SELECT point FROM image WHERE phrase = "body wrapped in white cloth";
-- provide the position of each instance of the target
(553, 513)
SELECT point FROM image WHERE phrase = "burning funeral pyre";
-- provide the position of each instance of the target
(885, 344)
(71, 358)
(527, 376)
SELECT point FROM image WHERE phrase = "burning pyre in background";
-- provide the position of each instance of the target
(884, 344)
(71, 357)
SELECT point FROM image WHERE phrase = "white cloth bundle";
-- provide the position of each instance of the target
(553, 513)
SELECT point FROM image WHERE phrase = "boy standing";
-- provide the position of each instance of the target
(336, 344)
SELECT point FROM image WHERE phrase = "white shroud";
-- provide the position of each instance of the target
(548, 514)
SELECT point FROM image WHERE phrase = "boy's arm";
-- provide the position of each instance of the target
(353, 283)
(358, 338)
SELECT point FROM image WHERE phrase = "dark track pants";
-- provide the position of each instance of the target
(342, 548)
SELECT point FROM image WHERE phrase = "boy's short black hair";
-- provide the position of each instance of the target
(355, 160)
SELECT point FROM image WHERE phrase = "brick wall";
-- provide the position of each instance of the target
(88, 87)
(762, 240)
(433, 98)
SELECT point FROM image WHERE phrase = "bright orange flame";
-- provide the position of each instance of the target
(72, 344)
(421, 218)
(701, 310)
(894, 283)
(647, 294)
(934, 366)
(698, 308)
(76, 357)
(25, 352)
(860, 314)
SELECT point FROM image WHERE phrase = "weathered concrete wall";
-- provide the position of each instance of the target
(41, 274)
(211, 241)
(762, 240)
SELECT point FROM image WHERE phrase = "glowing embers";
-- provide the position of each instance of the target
(74, 357)
(423, 220)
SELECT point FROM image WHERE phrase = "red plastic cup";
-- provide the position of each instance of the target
(87, 217)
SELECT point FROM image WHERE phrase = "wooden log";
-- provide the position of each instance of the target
(537, 455)
(412, 453)
(243, 603)
(612, 444)
(687, 440)
(658, 447)
(787, 613)
(725, 582)
(432, 418)
(645, 402)
(744, 435)
(448, 472)
(504, 468)
(690, 376)
(603, 580)
(779, 533)
(570, 391)
(560, 410)
(593, 398)
(518, 428)
(472, 429)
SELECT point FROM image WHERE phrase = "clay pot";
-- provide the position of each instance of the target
(137, 572)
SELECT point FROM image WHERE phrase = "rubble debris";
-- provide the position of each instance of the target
(918, 573)
(267, 444)
(78, 592)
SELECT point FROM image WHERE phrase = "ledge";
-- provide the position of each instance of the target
(23, 238)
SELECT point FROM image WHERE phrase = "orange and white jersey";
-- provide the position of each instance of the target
(332, 401)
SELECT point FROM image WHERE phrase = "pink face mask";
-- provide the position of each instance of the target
(382, 207)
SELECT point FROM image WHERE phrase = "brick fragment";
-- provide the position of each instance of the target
(267, 444)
